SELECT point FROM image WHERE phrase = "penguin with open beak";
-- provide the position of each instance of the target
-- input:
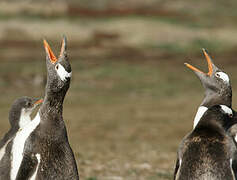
(216, 84)
(218, 90)
(42, 150)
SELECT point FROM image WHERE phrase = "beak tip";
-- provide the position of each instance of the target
(186, 64)
(209, 62)
(64, 45)
(45, 43)
(204, 51)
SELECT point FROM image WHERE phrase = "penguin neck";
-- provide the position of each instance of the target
(52, 107)
(54, 102)
(24, 118)
(51, 114)
(214, 98)
(212, 125)
(14, 117)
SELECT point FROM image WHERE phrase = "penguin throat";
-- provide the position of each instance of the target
(24, 118)
(55, 95)
(52, 109)
(56, 86)
(54, 102)
(214, 98)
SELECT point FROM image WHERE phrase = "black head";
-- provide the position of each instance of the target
(220, 115)
(58, 69)
(216, 84)
(21, 109)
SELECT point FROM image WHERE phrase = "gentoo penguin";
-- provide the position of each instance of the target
(207, 152)
(217, 87)
(19, 117)
(41, 150)
(217, 91)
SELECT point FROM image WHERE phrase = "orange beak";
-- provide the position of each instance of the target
(209, 63)
(62, 47)
(38, 102)
(50, 53)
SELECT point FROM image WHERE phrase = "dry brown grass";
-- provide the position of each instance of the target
(124, 119)
(126, 115)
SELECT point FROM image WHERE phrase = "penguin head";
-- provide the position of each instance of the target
(220, 114)
(215, 81)
(21, 109)
(58, 69)
(226, 110)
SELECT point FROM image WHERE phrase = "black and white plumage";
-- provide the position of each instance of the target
(19, 117)
(218, 90)
(216, 84)
(207, 152)
(46, 153)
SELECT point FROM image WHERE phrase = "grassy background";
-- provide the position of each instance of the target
(124, 119)
(131, 98)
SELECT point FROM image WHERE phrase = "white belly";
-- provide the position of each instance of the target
(19, 143)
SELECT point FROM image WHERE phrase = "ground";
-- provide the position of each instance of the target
(124, 119)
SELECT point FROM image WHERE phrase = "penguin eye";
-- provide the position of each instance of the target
(56, 67)
(28, 104)
(217, 75)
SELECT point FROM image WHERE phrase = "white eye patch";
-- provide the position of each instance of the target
(227, 110)
(63, 74)
(223, 76)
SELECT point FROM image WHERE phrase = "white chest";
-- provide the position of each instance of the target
(18, 145)
(24, 118)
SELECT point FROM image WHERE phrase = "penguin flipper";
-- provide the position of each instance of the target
(234, 165)
(5, 163)
(176, 168)
(232, 131)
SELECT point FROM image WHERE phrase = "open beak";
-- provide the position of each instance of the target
(50, 53)
(209, 63)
